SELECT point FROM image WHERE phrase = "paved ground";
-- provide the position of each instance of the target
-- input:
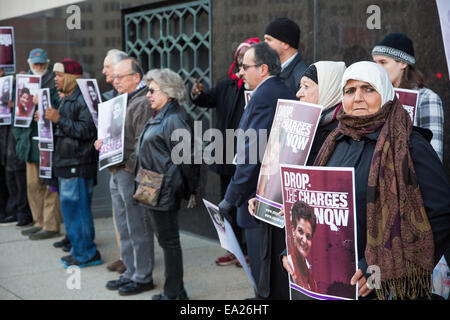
(31, 269)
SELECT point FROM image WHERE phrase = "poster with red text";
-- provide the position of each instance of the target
(409, 100)
(320, 217)
(7, 50)
(45, 164)
(290, 141)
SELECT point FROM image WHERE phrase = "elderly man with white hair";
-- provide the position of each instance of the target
(113, 57)
(136, 233)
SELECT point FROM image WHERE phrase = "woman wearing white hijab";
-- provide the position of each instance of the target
(402, 193)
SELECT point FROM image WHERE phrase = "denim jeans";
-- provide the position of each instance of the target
(165, 224)
(75, 195)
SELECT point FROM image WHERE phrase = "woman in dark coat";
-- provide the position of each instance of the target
(402, 192)
(154, 152)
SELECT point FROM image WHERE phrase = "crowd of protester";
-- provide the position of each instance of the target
(363, 125)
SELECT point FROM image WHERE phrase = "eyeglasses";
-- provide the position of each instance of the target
(152, 90)
(122, 76)
(245, 66)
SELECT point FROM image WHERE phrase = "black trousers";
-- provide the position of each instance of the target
(3, 192)
(224, 182)
(16, 182)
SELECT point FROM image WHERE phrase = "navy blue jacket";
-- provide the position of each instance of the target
(258, 115)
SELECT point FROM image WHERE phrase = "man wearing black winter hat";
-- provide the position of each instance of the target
(283, 35)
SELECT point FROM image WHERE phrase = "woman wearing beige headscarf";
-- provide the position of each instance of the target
(321, 85)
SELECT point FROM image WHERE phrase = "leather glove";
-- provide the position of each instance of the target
(225, 209)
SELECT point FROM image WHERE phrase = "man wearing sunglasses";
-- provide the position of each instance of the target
(260, 68)
(136, 234)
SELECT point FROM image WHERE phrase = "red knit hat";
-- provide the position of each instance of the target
(68, 66)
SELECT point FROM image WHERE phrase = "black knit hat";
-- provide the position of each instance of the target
(397, 46)
(311, 73)
(285, 30)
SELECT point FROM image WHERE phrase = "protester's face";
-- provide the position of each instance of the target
(360, 98)
(303, 237)
(274, 43)
(39, 68)
(157, 98)
(24, 98)
(252, 75)
(125, 81)
(309, 91)
(108, 69)
(394, 68)
(59, 80)
(240, 57)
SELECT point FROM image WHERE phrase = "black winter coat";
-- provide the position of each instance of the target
(228, 101)
(431, 176)
(75, 134)
(293, 73)
(154, 151)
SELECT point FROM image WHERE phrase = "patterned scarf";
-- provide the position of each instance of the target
(399, 236)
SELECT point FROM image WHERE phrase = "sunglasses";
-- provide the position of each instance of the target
(152, 90)
(246, 66)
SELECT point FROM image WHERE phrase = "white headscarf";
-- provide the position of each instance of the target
(374, 74)
(329, 76)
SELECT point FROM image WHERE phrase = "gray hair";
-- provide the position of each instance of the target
(169, 82)
(116, 55)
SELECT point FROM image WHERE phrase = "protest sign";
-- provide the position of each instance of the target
(6, 91)
(409, 100)
(320, 216)
(290, 141)
(227, 237)
(45, 164)
(45, 126)
(27, 86)
(111, 124)
(247, 96)
(7, 50)
(91, 94)
(444, 17)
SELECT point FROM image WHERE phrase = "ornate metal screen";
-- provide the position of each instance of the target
(177, 37)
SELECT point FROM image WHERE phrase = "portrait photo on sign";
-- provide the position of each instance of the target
(27, 86)
(6, 90)
(91, 94)
(111, 124)
(45, 126)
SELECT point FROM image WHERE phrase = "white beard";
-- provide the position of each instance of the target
(37, 72)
